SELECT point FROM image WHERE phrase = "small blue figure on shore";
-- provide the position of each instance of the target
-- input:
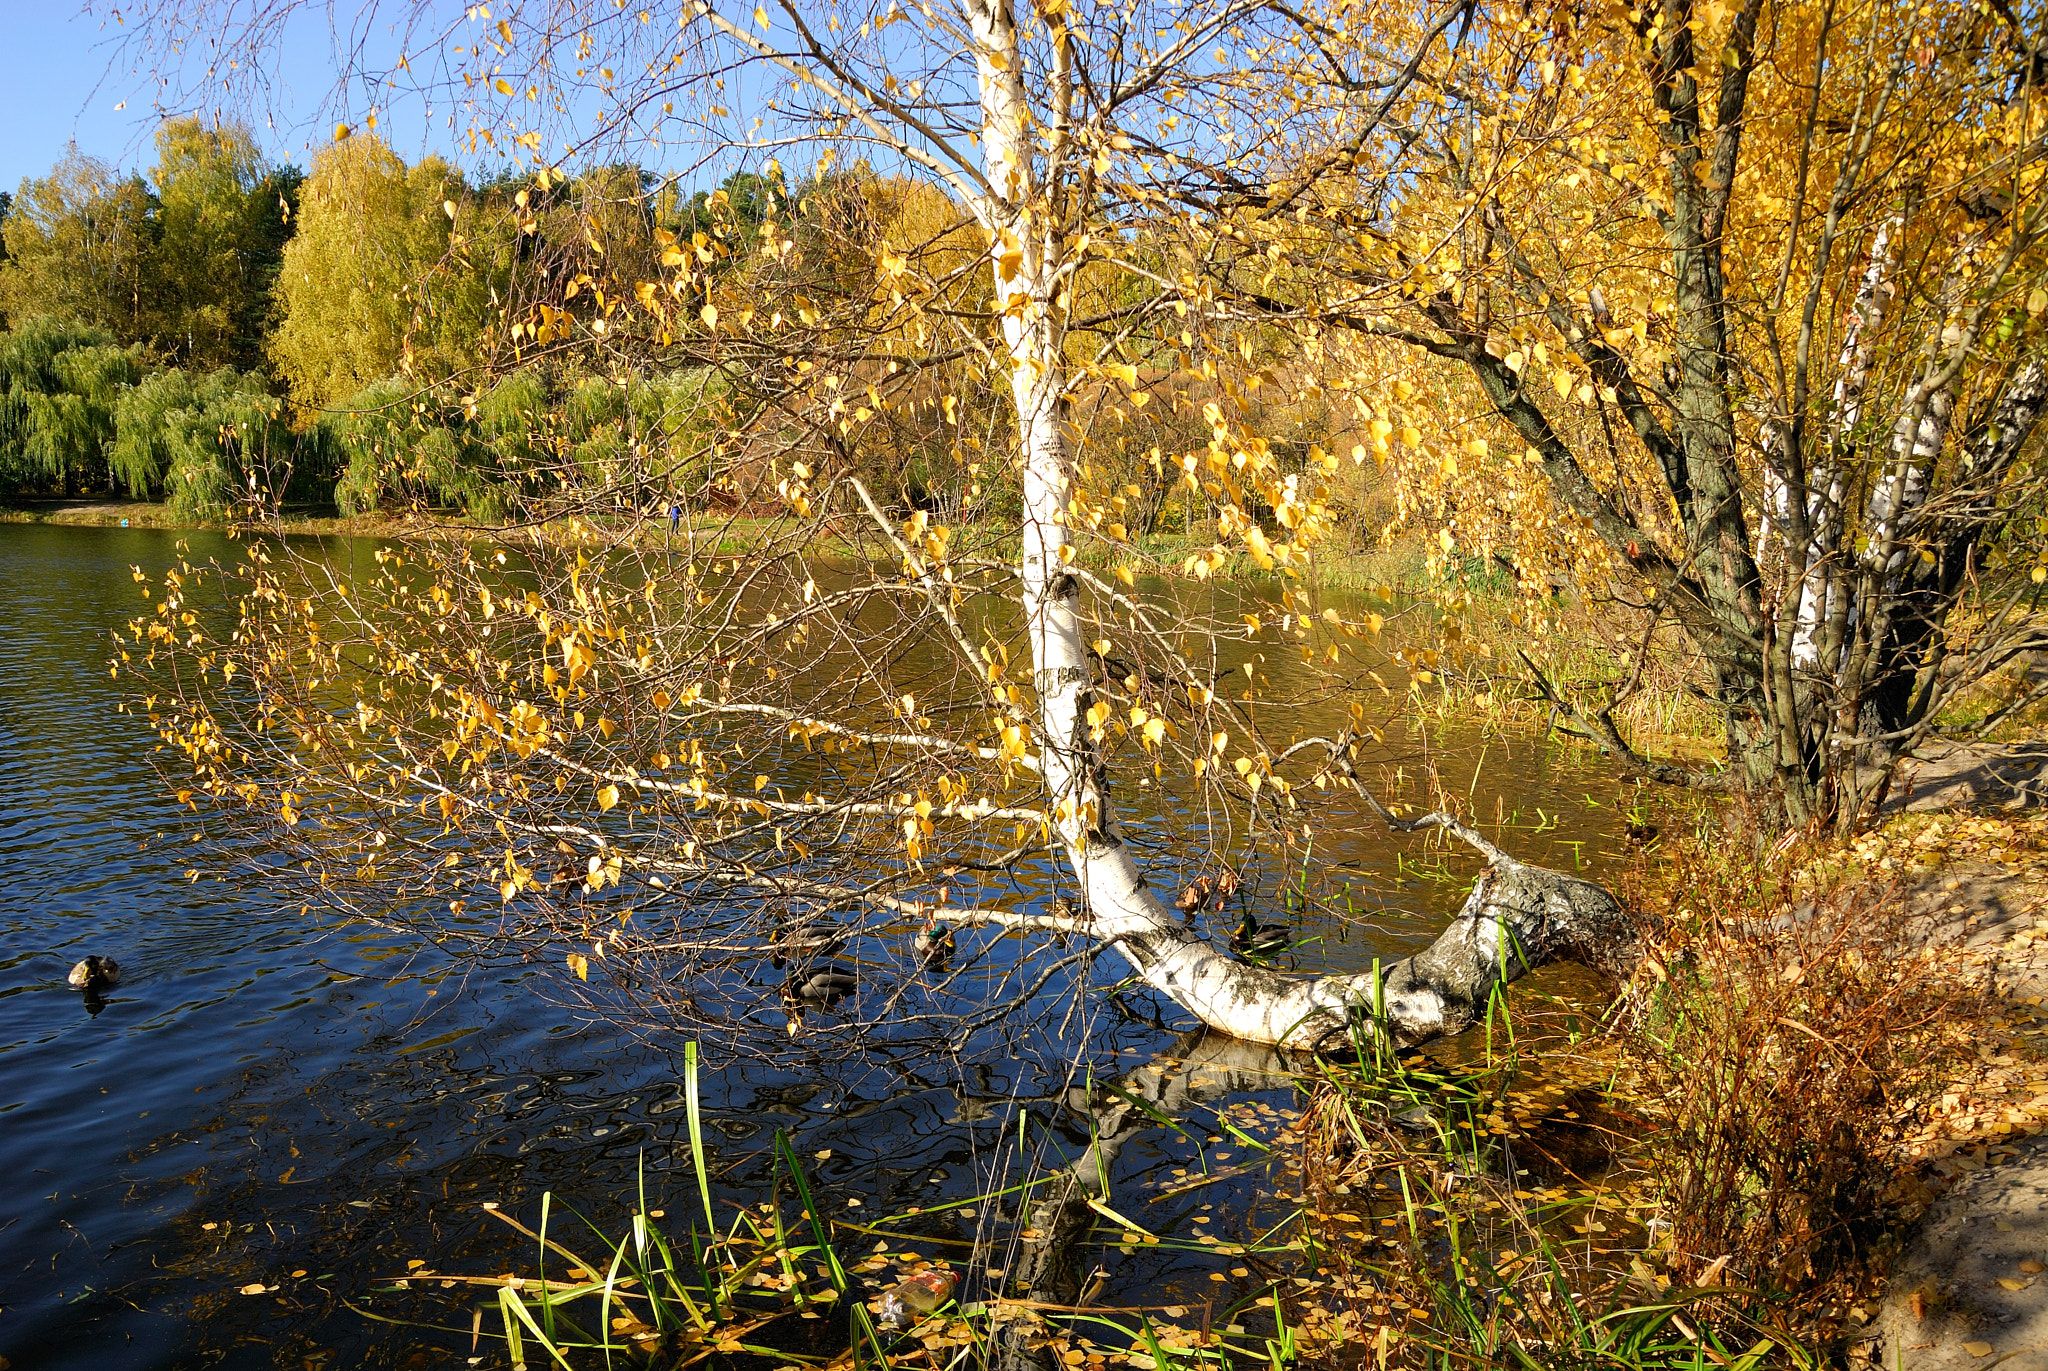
(675, 516)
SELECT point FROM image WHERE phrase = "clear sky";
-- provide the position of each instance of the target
(64, 76)
(69, 71)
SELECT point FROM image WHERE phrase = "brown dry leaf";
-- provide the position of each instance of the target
(2032, 1268)
(1978, 1349)
(2011, 1284)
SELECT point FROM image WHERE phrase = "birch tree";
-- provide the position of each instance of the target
(671, 762)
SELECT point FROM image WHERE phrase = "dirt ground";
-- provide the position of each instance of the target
(1971, 1289)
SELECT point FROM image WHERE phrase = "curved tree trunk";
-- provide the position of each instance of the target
(1517, 917)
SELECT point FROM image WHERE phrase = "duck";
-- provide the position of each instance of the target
(803, 940)
(95, 973)
(1254, 940)
(933, 944)
(1641, 835)
(819, 988)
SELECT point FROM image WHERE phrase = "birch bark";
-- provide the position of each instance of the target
(1517, 917)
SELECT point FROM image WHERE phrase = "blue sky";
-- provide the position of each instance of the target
(66, 78)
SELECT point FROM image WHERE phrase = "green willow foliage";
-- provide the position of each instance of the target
(206, 441)
(59, 384)
(398, 445)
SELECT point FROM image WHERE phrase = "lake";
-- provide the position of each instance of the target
(270, 1099)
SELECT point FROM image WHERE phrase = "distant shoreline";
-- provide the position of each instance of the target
(87, 512)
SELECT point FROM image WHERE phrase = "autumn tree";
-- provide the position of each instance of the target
(80, 248)
(1735, 307)
(368, 287)
(788, 751)
(225, 214)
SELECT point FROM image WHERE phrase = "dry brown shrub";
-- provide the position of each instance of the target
(1790, 1032)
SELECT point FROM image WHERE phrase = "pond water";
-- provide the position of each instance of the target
(269, 1099)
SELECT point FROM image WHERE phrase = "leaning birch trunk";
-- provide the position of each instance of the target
(1517, 917)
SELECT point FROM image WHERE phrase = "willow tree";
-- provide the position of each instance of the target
(1737, 306)
(675, 762)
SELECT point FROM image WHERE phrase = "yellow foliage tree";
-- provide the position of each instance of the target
(369, 285)
(1739, 304)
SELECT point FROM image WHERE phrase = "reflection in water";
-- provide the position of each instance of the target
(1200, 1068)
(267, 1099)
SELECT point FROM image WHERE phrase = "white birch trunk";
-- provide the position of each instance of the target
(1820, 588)
(1432, 993)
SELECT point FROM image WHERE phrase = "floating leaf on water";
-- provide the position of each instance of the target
(297, 1274)
(253, 1288)
(209, 1227)
(414, 1265)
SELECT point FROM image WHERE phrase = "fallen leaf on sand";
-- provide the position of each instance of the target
(1978, 1349)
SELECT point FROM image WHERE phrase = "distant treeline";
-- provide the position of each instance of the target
(226, 325)
(373, 333)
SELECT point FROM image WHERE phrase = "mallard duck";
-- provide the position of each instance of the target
(95, 973)
(933, 944)
(803, 940)
(817, 988)
(1252, 940)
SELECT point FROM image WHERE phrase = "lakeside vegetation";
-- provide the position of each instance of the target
(1528, 1202)
(1552, 333)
